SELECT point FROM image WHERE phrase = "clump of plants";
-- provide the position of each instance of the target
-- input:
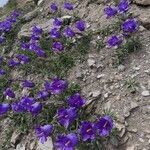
(66, 121)
(122, 33)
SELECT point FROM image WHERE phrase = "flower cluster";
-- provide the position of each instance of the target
(30, 104)
(58, 30)
(6, 27)
(67, 5)
(34, 44)
(68, 114)
(7, 24)
(128, 26)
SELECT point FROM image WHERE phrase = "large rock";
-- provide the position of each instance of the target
(29, 16)
(46, 25)
(143, 2)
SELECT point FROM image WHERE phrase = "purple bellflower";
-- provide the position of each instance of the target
(66, 142)
(54, 33)
(68, 6)
(114, 41)
(56, 86)
(66, 116)
(104, 126)
(53, 7)
(80, 25)
(35, 108)
(23, 58)
(68, 32)
(87, 131)
(2, 72)
(57, 47)
(18, 107)
(9, 92)
(123, 6)
(57, 22)
(76, 101)
(24, 46)
(43, 132)
(4, 107)
(43, 94)
(36, 30)
(13, 63)
(130, 26)
(40, 53)
(110, 11)
(26, 102)
(27, 83)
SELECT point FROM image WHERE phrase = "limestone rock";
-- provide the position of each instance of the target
(145, 93)
(16, 136)
(91, 62)
(20, 147)
(131, 148)
(143, 2)
(29, 16)
(46, 25)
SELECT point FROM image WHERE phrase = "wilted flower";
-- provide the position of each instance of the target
(35, 108)
(53, 7)
(4, 107)
(54, 33)
(57, 47)
(123, 6)
(27, 83)
(9, 92)
(76, 101)
(43, 94)
(110, 11)
(114, 41)
(66, 116)
(87, 131)
(80, 25)
(2, 72)
(43, 132)
(57, 22)
(130, 26)
(66, 142)
(68, 32)
(56, 86)
(104, 125)
(68, 6)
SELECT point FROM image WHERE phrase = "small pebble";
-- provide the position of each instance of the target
(145, 93)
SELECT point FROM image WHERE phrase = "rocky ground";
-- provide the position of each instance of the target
(125, 89)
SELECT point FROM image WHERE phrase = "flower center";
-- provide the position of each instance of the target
(66, 116)
(88, 130)
(67, 143)
(105, 124)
